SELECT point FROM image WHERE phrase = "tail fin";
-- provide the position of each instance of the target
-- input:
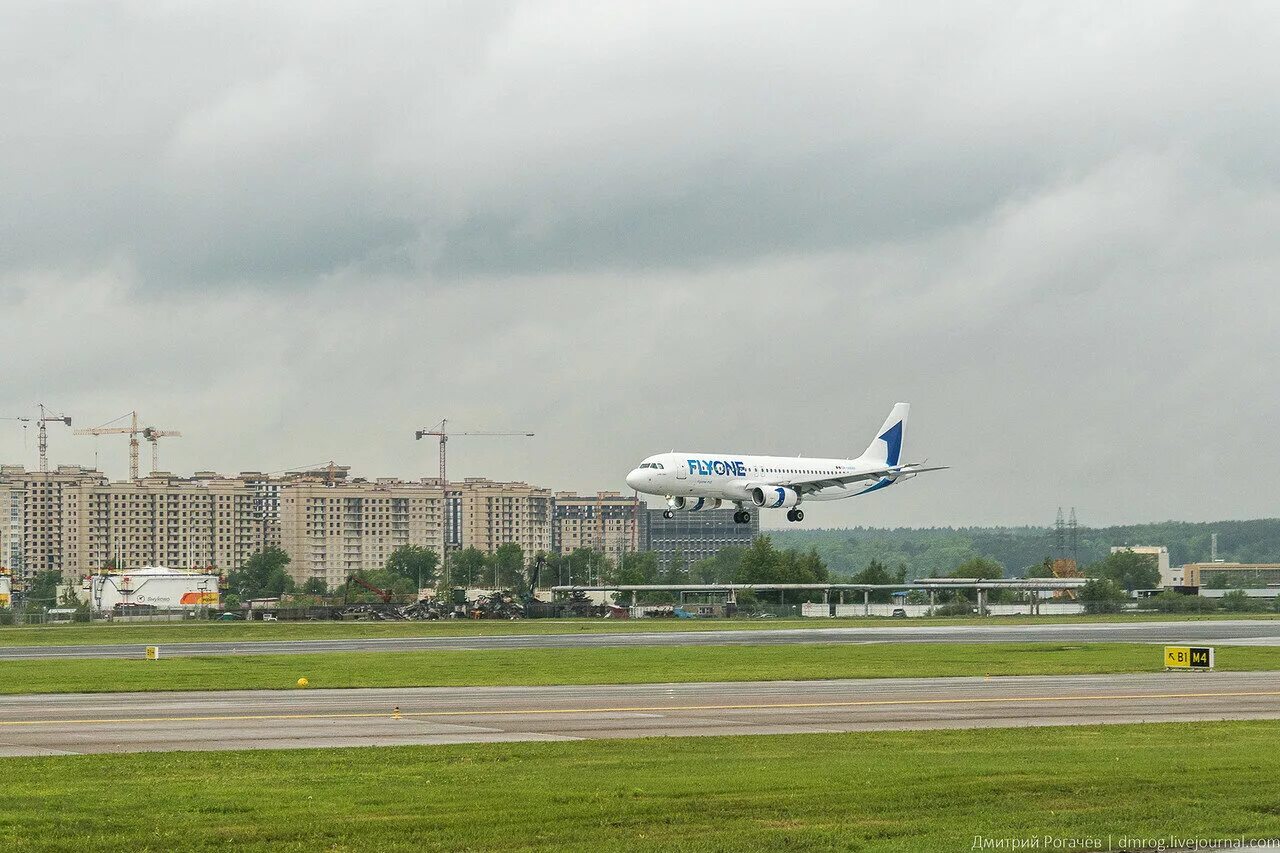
(886, 449)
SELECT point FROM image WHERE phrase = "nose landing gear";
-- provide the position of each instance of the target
(666, 513)
(795, 515)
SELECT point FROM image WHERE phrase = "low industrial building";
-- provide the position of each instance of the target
(1222, 575)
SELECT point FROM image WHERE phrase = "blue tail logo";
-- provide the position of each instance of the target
(893, 438)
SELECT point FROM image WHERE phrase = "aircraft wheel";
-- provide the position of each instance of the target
(791, 515)
(799, 515)
(668, 514)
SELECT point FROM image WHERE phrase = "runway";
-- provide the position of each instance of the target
(50, 724)
(1236, 632)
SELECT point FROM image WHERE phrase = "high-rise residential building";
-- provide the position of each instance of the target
(488, 514)
(607, 522)
(73, 520)
(11, 523)
(42, 516)
(202, 521)
(332, 529)
(692, 536)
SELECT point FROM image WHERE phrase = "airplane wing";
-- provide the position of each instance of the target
(805, 485)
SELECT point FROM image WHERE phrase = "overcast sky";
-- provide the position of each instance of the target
(298, 232)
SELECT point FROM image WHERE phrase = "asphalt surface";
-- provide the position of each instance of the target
(1237, 632)
(144, 722)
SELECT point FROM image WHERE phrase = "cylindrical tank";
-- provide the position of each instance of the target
(156, 586)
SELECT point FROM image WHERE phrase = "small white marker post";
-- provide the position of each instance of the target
(153, 653)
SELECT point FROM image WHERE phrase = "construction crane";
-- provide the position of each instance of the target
(46, 418)
(154, 435)
(132, 431)
(441, 432)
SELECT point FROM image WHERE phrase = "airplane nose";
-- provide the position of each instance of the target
(633, 479)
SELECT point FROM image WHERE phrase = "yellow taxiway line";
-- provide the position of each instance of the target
(860, 703)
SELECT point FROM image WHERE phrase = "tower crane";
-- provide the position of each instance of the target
(441, 432)
(154, 435)
(132, 431)
(46, 418)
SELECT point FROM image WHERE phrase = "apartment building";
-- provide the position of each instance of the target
(333, 528)
(486, 515)
(74, 521)
(605, 521)
(40, 515)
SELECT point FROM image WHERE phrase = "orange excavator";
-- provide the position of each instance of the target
(384, 594)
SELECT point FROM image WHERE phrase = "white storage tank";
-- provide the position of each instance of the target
(152, 586)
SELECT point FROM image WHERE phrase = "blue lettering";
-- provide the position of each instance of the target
(693, 463)
(739, 469)
(718, 467)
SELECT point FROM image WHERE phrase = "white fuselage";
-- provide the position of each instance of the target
(732, 476)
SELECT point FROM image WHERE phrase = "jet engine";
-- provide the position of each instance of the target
(774, 497)
(693, 504)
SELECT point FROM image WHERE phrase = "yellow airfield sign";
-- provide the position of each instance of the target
(1188, 657)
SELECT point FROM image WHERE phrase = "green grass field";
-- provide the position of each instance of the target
(882, 791)
(191, 631)
(643, 664)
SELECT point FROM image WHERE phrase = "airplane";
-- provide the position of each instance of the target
(693, 482)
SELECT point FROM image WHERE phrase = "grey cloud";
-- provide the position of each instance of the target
(298, 235)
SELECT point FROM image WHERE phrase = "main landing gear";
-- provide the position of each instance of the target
(742, 517)
(795, 515)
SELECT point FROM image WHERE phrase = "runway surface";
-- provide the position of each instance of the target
(143, 722)
(1238, 632)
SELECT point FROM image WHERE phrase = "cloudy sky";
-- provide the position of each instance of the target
(297, 232)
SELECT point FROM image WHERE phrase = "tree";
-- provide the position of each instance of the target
(877, 574)
(1103, 595)
(414, 562)
(507, 565)
(638, 568)
(1238, 601)
(587, 566)
(1041, 570)
(42, 592)
(1175, 602)
(982, 568)
(762, 563)
(262, 576)
(467, 568)
(1131, 571)
(677, 570)
(722, 568)
(314, 586)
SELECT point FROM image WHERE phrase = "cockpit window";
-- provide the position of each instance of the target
(657, 465)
